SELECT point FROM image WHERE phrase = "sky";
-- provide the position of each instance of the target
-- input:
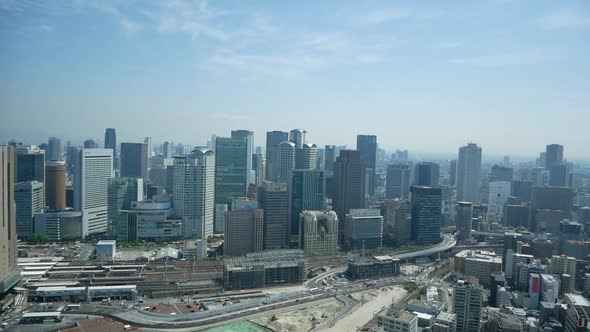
(510, 75)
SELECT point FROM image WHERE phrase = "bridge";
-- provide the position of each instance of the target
(448, 242)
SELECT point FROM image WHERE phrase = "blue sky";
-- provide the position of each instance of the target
(510, 75)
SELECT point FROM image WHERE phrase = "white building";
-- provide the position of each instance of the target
(468, 173)
(194, 192)
(106, 250)
(397, 321)
(93, 169)
(498, 196)
(318, 232)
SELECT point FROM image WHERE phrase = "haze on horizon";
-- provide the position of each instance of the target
(511, 76)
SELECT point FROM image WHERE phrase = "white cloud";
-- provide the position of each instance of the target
(446, 45)
(129, 27)
(564, 19)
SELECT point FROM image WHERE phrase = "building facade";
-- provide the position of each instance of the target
(468, 173)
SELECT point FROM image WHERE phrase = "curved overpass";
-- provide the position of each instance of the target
(446, 244)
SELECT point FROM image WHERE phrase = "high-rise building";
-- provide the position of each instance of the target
(426, 205)
(149, 220)
(55, 185)
(553, 155)
(306, 192)
(522, 190)
(150, 148)
(273, 153)
(398, 217)
(426, 174)
(467, 306)
(349, 185)
(90, 144)
(258, 166)
(397, 184)
(54, 149)
(558, 175)
(273, 199)
(468, 172)
(306, 157)
(243, 231)
(553, 198)
(318, 234)
(230, 169)
(194, 188)
(501, 173)
(110, 140)
(248, 136)
(167, 149)
(219, 218)
(363, 229)
(367, 146)
(297, 136)
(9, 275)
(453, 173)
(122, 192)
(93, 169)
(561, 265)
(134, 161)
(329, 158)
(463, 216)
(498, 196)
(286, 160)
(30, 165)
(28, 197)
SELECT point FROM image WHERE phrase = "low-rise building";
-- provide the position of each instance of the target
(397, 321)
(106, 250)
(377, 266)
(263, 269)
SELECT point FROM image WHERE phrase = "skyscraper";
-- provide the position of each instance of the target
(306, 192)
(463, 215)
(248, 136)
(501, 173)
(297, 136)
(453, 173)
(553, 155)
(230, 169)
(426, 174)
(558, 175)
(30, 165)
(286, 160)
(134, 161)
(110, 140)
(306, 157)
(398, 181)
(194, 190)
(367, 146)
(468, 172)
(258, 166)
(426, 205)
(55, 185)
(90, 144)
(28, 198)
(9, 276)
(467, 306)
(273, 142)
(54, 149)
(93, 169)
(329, 158)
(167, 149)
(349, 185)
(273, 198)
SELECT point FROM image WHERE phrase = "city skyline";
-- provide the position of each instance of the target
(420, 76)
